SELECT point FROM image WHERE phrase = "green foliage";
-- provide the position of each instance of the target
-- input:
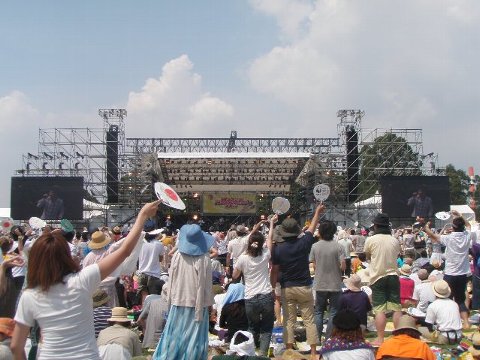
(459, 181)
(388, 155)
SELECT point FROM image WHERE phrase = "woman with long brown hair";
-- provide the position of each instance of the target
(59, 296)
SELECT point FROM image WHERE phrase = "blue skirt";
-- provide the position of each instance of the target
(183, 338)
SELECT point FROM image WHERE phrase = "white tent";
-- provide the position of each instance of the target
(465, 210)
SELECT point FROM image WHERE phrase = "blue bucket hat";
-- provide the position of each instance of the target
(193, 241)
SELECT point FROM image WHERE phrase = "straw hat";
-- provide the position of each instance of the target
(406, 270)
(406, 322)
(100, 297)
(441, 289)
(353, 283)
(119, 314)
(6, 326)
(99, 240)
(475, 348)
(116, 230)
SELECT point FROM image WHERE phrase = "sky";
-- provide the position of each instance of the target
(265, 68)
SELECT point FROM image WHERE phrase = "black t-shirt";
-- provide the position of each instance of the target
(292, 257)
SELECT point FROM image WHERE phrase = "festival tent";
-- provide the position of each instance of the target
(465, 210)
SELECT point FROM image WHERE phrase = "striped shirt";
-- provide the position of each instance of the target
(100, 316)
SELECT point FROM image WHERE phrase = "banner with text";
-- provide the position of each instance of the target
(229, 203)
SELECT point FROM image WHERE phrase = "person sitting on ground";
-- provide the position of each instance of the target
(474, 350)
(101, 311)
(6, 332)
(405, 343)
(406, 286)
(119, 333)
(445, 315)
(422, 295)
(153, 317)
(355, 300)
(233, 316)
(346, 342)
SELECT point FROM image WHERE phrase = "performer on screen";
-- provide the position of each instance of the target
(51, 205)
(422, 205)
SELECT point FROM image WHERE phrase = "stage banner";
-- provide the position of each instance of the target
(229, 203)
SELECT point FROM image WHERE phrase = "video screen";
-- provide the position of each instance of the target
(49, 198)
(412, 196)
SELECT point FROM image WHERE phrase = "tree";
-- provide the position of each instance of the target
(388, 155)
(459, 181)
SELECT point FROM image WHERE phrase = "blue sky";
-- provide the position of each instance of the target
(261, 67)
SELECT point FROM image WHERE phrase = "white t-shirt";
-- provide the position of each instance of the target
(65, 315)
(149, 260)
(457, 245)
(445, 314)
(423, 292)
(237, 247)
(255, 272)
(356, 354)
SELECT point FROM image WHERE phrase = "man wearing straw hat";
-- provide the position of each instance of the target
(445, 315)
(119, 333)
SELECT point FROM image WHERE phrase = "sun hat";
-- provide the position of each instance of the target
(100, 297)
(346, 320)
(441, 289)
(405, 322)
(381, 219)
(241, 230)
(193, 241)
(6, 326)
(119, 314)
(353, 283)
(116, 230)
(289, 228)
(475, 348)
(406, 270)
(99, 240)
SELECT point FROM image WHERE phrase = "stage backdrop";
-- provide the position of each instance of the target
(229, 203)
(28, 196)
(397, 190)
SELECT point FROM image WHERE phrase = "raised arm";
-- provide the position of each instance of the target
(110, 262)
(273, 220)
(431, 234)
(316, 217)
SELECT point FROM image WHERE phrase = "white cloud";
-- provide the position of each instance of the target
(406, 63)
(16, 112)
(175, 104)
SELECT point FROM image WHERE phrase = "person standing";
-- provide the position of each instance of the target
(185, 335)
(383, 249)
(290, 257)
(457, 264)
(51, 205)
(328, 260)
(258, 290)
(346, 243)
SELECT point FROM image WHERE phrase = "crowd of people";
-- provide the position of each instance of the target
(116, 293)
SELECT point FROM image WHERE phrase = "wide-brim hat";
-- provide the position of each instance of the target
(289, 228)
(6, 326)
(346, 320)
(353, 283)
(406, 322)
(441, 289)
(406, 270)
(193, 241)
(100, 297)
(475, 348)
(381, 219)
(119, 314)
(116, 230)
(99, 240)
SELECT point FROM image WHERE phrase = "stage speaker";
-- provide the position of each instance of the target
(353, 164)
(112, 164)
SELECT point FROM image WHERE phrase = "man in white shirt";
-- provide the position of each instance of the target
(422, 295)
